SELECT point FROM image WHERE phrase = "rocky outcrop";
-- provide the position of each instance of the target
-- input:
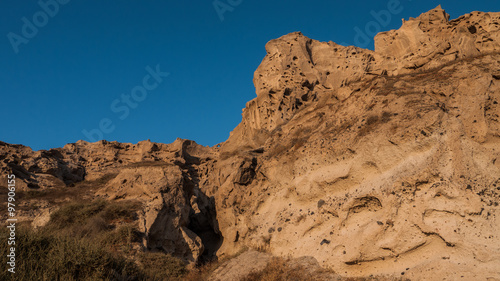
(377, 162)
(240, 266)
(177, 217)
(298, 71)
(432, 39)
(38, 168)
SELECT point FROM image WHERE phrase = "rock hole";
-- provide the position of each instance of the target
(204, 224)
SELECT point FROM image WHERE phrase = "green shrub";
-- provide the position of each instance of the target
(75, 213)
(88, 241)
(121, 238)
(91, 219)
(124, 210)
(41, 255)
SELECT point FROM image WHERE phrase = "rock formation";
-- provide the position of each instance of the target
(380, 162)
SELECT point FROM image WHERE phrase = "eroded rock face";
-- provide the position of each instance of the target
(298, 71)
(177, 216)
(432, 39)
(38, 168)
(389, 162)
(373, 162)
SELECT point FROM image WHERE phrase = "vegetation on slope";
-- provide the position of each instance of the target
(88, 241)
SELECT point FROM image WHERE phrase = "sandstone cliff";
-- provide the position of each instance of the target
(380, 162)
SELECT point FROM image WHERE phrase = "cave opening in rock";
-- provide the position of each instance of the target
(203, 222)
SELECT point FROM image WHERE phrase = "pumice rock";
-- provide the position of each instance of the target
(383, 162)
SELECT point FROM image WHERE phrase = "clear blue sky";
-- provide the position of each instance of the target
(85, 55)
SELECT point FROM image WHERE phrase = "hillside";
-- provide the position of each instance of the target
(374, 163)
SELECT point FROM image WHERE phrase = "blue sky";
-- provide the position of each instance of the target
(66, 68)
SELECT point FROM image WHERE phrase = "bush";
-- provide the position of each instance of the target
(124, 210)
(41, 255)
(75, 213)
(121, 238)
(91, 219)
(88, 241)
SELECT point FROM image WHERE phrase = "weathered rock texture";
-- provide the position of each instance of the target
(372, 162)
(177, 217)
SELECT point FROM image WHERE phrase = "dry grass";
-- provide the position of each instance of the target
(89, 241)
(159, 266)
(203, 272)
(41, 255)
(280, 270)
(78, 213)
(110, 224)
